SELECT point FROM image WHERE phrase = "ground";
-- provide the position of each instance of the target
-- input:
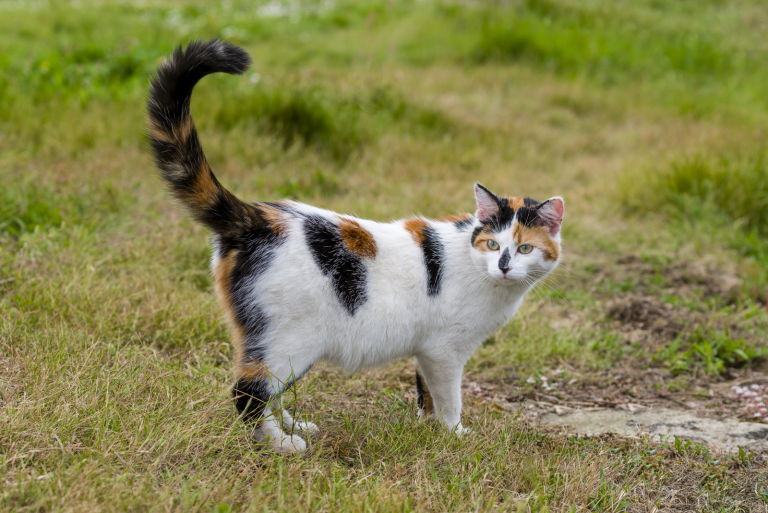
(648, 117)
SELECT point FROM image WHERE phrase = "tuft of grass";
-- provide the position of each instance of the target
(309, 117)
(736, 187)
(26, 207)
(726, 197)
(712, 352)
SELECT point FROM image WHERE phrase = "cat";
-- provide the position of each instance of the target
(301, 284)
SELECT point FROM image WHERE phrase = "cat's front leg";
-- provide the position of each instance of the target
(441, 390)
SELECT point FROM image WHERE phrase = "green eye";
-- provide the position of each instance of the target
(493, 245)
(525, 248)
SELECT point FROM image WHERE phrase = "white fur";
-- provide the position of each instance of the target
(398, 320)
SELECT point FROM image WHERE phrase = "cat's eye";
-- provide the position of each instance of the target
(525, 248)
(493, 245)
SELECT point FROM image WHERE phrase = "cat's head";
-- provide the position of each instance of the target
(516, 239)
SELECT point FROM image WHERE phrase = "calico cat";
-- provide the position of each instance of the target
(301, 284)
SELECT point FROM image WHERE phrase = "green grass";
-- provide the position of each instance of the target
(115, 362)
(735, 187)
(711, 352)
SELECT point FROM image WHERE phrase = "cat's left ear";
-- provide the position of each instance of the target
(488, 204)
(551, 214)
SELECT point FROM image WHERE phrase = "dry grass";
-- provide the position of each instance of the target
(115, 363)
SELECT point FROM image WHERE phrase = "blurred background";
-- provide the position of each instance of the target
(647, 116)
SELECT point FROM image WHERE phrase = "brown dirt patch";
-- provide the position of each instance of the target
(647, 313)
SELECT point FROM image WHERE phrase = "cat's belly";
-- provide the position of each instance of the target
(308, 323)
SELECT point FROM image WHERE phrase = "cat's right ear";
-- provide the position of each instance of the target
(488, 204)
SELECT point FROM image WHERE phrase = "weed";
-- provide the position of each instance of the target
(26, 207)
(605, 497)
(713, 352)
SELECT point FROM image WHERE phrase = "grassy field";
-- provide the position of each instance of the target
(648, 116)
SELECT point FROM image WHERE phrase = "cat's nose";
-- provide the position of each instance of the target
(504, 261)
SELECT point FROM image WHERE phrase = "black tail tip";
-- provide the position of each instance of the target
(213, 56)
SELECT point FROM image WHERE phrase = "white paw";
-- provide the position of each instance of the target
(459, 430)
(288, 444)
(306, 427)
(275, 440)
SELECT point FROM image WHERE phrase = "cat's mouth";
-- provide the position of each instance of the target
(511, 277)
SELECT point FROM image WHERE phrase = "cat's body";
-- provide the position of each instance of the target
(302, 284)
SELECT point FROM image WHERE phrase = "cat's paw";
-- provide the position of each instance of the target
(306, 427)
(289, 444)
(459, 430)
(275, 440)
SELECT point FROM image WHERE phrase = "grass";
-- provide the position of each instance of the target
(736, 187)
(114, 360)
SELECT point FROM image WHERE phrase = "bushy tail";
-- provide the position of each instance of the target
(176, 147)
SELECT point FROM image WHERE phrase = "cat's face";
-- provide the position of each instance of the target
(518, 240)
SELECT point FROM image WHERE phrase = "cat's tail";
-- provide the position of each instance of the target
(175, 144)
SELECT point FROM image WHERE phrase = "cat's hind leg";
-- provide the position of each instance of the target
(254, 400)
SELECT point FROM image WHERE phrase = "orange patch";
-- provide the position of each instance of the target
(416, 228)
(454, 219)
(179, 134)
(156, 132)
(538, 237)
(184, 128)
(516, 202)
(247, 369)
(481, 241)
(204, 190)
(357, 239)
(279, 221)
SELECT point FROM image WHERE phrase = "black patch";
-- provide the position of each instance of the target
(476, 232)
(257, 250)
(251, 397)
(345, 269)
(433, 259)
(171, 88)
(419, 391)
(464, 223)
(503, 219)
(504, 260)
(286, 208)
(527, 216)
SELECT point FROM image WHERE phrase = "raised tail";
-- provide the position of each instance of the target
(176, 146)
